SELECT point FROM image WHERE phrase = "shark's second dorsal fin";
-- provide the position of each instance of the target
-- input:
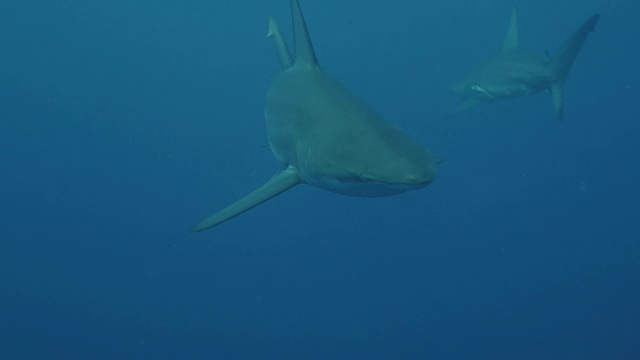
(281, 47)
(512, 42)
(304, 54)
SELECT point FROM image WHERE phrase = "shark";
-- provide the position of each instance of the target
(325, 136)
(514, 72)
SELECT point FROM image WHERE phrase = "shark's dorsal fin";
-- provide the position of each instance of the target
(511, 42)
(304, 54)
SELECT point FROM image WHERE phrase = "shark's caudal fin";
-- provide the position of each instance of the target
(561, 65)
(512, 41)
(281, 46)
(304, 54)
(279, 183)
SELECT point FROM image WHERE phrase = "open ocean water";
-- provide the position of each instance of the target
(124, 123)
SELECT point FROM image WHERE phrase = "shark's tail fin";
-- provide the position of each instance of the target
(561, 65)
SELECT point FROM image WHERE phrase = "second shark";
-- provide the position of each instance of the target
(514, 72)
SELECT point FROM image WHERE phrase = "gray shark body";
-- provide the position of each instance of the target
(514, 72)
(325, 136)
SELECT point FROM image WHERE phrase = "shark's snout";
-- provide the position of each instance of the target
(421, 177)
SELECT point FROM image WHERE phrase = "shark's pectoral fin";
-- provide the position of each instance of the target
(556, 97)
(465, 106)
(279, 183)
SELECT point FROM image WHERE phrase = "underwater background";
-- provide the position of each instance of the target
(124, 123)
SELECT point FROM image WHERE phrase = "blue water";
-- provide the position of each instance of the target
(124, 123)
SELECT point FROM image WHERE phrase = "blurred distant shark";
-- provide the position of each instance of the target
(514, 72)
(325, 136)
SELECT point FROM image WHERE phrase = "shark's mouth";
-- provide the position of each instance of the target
(480, 90)
(360, 186)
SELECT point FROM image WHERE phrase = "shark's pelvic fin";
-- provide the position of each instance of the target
(562, 63)
(556, 98)
(512, 41)
(281, 46)
(304, 53)
(282, 181)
